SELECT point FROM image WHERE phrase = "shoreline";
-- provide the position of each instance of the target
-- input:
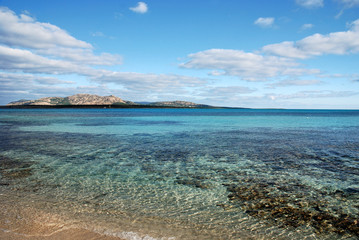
(29, 218)
(21, 219)
(39, 218)
(24, 216)
(71, 233)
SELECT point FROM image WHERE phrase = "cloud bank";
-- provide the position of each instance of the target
(245, 65)
(275, 60)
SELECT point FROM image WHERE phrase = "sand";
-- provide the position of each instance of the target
(74, 234)
(20, 220)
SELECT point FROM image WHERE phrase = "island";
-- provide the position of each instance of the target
(95, 101)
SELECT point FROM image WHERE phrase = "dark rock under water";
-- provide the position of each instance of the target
(289, 206)
(12, 169)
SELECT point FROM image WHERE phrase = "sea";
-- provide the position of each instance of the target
(180, 173)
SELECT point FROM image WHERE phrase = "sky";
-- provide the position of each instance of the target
(298, 54)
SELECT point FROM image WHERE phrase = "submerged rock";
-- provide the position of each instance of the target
(17, 173)
(12, 169)
(289, 206)
(193, 183)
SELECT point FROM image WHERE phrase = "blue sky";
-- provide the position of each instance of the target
(254, 53)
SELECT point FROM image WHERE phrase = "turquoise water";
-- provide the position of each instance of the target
(188, 173)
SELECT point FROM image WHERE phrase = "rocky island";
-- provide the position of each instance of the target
(95, 101)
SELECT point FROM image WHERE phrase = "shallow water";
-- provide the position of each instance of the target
(186, 173)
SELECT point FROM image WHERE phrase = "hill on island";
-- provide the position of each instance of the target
(95, 100)
(78, 99)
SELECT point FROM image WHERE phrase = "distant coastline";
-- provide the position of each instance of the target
(108, 106)
(95, 101)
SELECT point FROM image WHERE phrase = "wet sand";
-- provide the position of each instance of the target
(75, 234)
(19, 221)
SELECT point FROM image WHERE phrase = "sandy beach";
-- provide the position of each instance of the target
(24, 220)
(75, 234)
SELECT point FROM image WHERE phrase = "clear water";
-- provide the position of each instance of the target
(187, 173)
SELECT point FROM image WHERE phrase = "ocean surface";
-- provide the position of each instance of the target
(182, 173)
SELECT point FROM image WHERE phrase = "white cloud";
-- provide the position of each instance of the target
(295, 82)
(83, 56)
(317, 94)
(285, 49)
(98, 34)
(226, 91)
(228, 95)
(315, 45)
(46, 39)
(264, 22)
(275, 60)
(247, 66)
(24, 31)
(140, 8)
(306, 26)
(27, 86)
(148, 82)
(310, 3)
(24, 60)
(150, 86)
(346, 5)
(26, 79)
(349, 3)
(301, 99)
